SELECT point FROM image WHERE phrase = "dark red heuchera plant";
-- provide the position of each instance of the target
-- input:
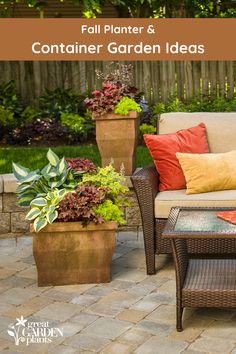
(79, 205)
(116, 85)
(81, 165)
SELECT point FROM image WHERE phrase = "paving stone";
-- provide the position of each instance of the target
(4, 322)
(134, 336)
(41, 348)
(148, 303)
(30, 307)
(132, 275)
(4, 344)
(141, 289)
(19, 223)
(168, 287)
(134, 259)
(155, 328)
(17, 296)
(75, 289)
(120, 298)
(87, 342)
(213, 346)
(99, 291)
(107, 328)
(84, 319)
(5, 307)
(85, 300)
(216, 314)
(69, 328)
(104, 310)
(163, 313)
(127, 236)
(30, 272)
(17, 266)
(6, 273)
(56, 295)
(0, 197)
(131, 315)
(14, 282)
(62, 349)
(221, 329)
(120, 284)
(159, 345)
(58, 311)
(6, 259)
(5, 225)
(190, 351)
(117, 348)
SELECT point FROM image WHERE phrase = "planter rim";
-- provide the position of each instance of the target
(130, 115)
(75, 226)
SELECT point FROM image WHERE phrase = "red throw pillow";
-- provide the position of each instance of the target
(163, 150)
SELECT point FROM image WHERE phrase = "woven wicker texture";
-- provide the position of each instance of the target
(145, 183)
(210, 283)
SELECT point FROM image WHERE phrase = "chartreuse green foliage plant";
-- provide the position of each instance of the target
(72, 121)
(126, 105)
(71, 190)
(115, 190)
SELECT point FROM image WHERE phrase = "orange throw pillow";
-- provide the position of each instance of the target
(163, 149)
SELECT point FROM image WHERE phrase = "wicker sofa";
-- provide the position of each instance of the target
(155, 205)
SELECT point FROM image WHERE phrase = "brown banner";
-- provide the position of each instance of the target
(117, 39)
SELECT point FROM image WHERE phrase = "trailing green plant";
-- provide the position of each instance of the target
(125, 105)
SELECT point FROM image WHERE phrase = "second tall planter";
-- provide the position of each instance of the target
(117, 138)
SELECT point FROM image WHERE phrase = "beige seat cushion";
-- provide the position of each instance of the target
(167, 199)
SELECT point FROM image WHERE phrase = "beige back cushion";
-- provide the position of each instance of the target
(221, 127)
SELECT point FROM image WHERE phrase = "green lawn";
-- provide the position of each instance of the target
(35, 157)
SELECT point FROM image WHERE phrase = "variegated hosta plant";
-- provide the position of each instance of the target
(44, 189)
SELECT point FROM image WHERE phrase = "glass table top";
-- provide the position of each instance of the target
(202, 221)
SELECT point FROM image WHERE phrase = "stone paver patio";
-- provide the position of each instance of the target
(135, 313)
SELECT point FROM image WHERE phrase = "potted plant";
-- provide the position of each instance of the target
(116, 115)
(75, 209)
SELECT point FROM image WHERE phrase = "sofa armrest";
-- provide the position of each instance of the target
(145, 183)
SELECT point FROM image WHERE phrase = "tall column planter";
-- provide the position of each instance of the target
(117, 138)
(68, 253)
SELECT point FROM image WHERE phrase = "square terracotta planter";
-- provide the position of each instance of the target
(117, 138)
(67, 253)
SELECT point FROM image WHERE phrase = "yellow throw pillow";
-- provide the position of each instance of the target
(208, 172)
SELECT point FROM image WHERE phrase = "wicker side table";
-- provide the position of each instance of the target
(200, 282)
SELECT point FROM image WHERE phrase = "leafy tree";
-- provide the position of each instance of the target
(140, 8)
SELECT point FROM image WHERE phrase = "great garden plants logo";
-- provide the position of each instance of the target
(33, 332)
